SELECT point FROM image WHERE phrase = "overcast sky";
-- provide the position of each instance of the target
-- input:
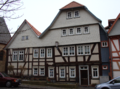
(40, 13)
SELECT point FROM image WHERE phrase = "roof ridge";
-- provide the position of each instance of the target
(114, 23)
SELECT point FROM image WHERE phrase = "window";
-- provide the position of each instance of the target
(63, 32)
(1, 55)
(71, 31)
(42, 71)
(104, 67)
(51, 72)
(83, 50)
(65, 51)
(35, 54)
(18, 54)
(42, 53)
(62, 72)
(21, 55)
(104, 44)
(69, 15)
(76, 14)
(72, 72)
(87, 49)
(72, 50)
(95, 73)
(78, 31)
(26, 37)
(86, 30)
(80, 50)
(23, 37)
(49, 52)
(35, 71)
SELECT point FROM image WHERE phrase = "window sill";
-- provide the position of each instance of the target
(76, 17)
(69, 18)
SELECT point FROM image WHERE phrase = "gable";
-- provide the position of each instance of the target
(116, 29)
(85, 18)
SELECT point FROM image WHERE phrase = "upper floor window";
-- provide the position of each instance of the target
(86, 30)
(78, 31)
(18, 55)
(87, 49)
(26, 37)
(69, 14)
(49, 52)
(63, 32)
(35, 53)
(65, 51)
(72, 50)
(42, 53)
(76, 14)
(71, 31)
(83, 50)
(95, 73)
(104, 44)
(68, 51)
(104, 67)
(80, 50)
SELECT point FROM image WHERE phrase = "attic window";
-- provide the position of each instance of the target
(24, 38)
(69, 15)
(76, 14)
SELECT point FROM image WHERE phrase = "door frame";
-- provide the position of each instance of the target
(80, 72)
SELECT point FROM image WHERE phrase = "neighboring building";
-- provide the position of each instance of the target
(4, 38)
(68, 50)
(114, 46)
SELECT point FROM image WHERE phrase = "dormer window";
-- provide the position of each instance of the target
(63, 32)
(86, 30)
(76, 14)
(69, 15)
(71, 31)
(78, 31)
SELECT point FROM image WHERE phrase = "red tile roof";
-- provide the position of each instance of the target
(72, 4)
(34, 29)
(114, 23)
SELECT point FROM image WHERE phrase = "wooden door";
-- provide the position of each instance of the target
(84, 77)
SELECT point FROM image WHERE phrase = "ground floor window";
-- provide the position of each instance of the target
(72, 72)
(42, 71)
(51, 72)
(62, 72)
(95, 72)
(35, 71)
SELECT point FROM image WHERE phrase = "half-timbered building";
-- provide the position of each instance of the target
(69, 50)
(113, 29)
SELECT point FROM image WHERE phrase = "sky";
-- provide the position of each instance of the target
(40, 13)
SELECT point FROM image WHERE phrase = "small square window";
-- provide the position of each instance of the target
(104, 67)
(78, 31)
(104, 44)
(76, 14)
(71, 31)
(86, 30)
(69, 15)
(63, 32)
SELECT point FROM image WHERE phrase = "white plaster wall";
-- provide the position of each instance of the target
(116, 74)
(115, 66)
(85, 18)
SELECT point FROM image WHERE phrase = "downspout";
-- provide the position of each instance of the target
(111, 57)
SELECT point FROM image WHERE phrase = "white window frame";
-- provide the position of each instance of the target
(60, 72)
(26, 38)
(78, 14)
(23, 38)
(70, 31)
(93, 71)
(16, 55)
(88, 30)
(77, 31)
(69, 51)
(49, 72)
(74, 72)
(41, 72)
(35, 54)
(41, 51)
(104, 43)
(65, 32)
(78, 50)
(48, 53)
(21, 54)
(89, 50)
(64, 51)
(34, 71)
(68, 16)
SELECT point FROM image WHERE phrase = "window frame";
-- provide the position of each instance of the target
(23, 38)
(40, 52)
(105, 66)
(88, 30)
(20, 54)
(68, 16)
(40, 71)
(78, 14)
(69, 50)
(49, 72)
(34, 71)
(17, 55)
(97, 71)
(60, 72)
(47, 52)
(102, 44)
(65, 32)
(34, 53)
(70, 72)
(70, 31)
(89, 50)
(77, 31)
(64, 52)
(77, 50)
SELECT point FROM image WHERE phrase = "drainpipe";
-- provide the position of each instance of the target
(111, 56)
